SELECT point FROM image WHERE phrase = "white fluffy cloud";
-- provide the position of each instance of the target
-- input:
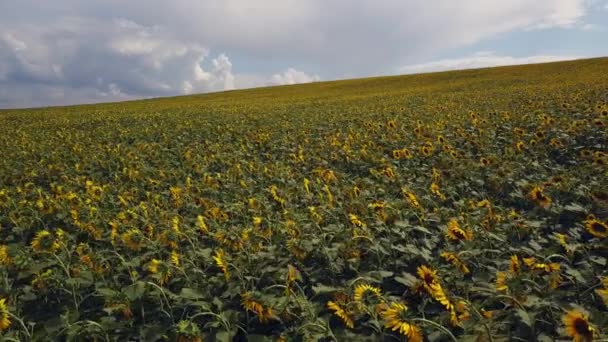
(65, 51)
(123, 60)
(293, 76)
(480, 60)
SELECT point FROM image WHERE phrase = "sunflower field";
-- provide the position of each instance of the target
(454, 206)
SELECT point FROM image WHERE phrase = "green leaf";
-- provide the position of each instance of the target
(525, 317)
(406, 279)
(322, 289)
(135, 291)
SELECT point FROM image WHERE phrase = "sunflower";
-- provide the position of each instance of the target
(264, 314)
(520, 146)
(485, 161)
(362, 289)
(411, 197)
(501, 281)
(455, 260)
(426, 150)
(578, 326)
(455, 233)
(597, 228)
(539, 197)
(354, 219)
(5, 321)
(220, 261)
(514, 266)
(428, 276)
(389, 172)
(5, 258)
(405, 153)
(175, 258)
(394, 317)
(133, 239)
(341, 313)
(201, 224)
(44, 241)
(603, 293)
(437, 191)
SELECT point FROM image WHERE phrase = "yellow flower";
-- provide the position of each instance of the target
(410, 197)
(133, 239)
(356, 221)
(175, 258)
(388, 172)
(394, 319)
(307, 185)
(435, 190)
(341, 313)
(514, 266)
(44, 241)
(153, 267)
(5, 321)
(597, 228)
(428, 276)
(578, 326)
(293, 274)
(362, 289)
(5, 258)
(455, 260)
(201, 224)
(220, 261)
(603, 293)
(501, 281)
(539, 197)
(455, 233)
(264, 314)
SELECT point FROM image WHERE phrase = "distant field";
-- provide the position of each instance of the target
(466, 205)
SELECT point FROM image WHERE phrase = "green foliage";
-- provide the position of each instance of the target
(295, 213)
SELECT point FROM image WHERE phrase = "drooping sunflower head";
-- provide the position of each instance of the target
(537, 195)
(341, 313)
(514, 266)
(44, 241)
(364, 291)
(133, 239)
(5, 258)
(597, 228)
(578, 326)
(456, 233)
(395, 319)
(5, 321)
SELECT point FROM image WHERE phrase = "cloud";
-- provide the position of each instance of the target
(293, 76)
(480, 60)
(122, 60)
(161, 48)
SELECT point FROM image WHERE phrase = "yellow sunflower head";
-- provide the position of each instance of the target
(456, 233)
(537, 195)
(578, 326)
(44, 242)
(428, 276)
(362, 291)
(5, 320)
(597, 228)
(395, 319)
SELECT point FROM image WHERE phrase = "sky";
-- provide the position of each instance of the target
(72, 51)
